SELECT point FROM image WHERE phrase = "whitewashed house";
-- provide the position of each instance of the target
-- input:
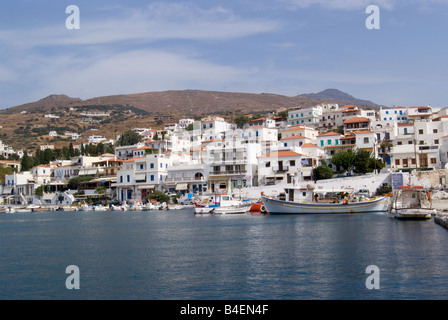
(138, 177)
(285, 167)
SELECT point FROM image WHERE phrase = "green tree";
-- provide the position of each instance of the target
(74, 183)
(71, 150)
(27, 162)
(159, 196)
(241, 120)
(39, 191)
(344, 159)
(4, 171)
(48, 156)
(100, 190)
(322, 172)
(129, 138)
(365, 163)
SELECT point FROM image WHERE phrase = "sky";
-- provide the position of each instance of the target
(286, 47)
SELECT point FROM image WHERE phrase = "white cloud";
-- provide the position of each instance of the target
(340, 4)
(156, 22)
(139, 71)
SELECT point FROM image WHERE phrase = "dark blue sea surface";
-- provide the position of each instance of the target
(165, 255)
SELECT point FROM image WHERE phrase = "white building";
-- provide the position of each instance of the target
(213, 128)
(285, 167)
(183, 123)
(233, 164)
(305, 116)
(138, 177)
(94, 139)
(187, 179)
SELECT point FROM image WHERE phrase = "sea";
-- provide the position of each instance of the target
(177, 255)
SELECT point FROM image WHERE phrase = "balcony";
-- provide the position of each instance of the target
(185, 179)
(282, 169)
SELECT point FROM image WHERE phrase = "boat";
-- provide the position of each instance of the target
(258, 207)
(333, 201)
(412, 203)
(221, 204)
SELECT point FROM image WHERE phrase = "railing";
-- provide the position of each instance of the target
(280, 169)
(184, 179)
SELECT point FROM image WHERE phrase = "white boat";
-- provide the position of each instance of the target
(221, 204)
(334, 201)
(412, 202)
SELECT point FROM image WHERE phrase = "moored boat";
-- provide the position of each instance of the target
(221, 204)
(412, 203)
(311, 201)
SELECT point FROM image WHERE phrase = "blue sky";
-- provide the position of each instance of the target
(285, 47)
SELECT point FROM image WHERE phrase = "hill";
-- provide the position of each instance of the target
(26, 126)
(338, 96)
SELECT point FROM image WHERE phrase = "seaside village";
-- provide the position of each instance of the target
(265, 154)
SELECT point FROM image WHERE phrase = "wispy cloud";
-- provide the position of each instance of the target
(138, 71)
(153, 23)
(339, 4)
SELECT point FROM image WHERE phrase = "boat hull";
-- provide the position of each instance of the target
(278, 207)
(412, 214)
(232, 210)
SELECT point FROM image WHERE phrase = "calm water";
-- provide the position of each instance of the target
(177, 255)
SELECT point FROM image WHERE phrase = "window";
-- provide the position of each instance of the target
(405, 162)
(329, 142)
(141, 166)
(152, 177)
(436, 141)
(292, 163)
(413, 161)
(152, 165)
(434, 131)
(128, 178)
(321, 143)
(399, 143)
(410, 142)
(268, 164)
(420, 131)
(387, 112)
(397, 162)
(433, 160)
(366, 140)
(121, 179)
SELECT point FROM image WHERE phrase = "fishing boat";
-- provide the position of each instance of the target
(258, 207)
(333, 201)
(221, 204)
(412, 202)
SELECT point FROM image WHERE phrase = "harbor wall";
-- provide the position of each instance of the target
(435, 180)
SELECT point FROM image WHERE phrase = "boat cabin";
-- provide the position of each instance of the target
(412, 197)
(309, 194)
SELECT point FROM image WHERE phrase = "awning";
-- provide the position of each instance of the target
(87, 172)
(48, 196)
(7, 190)
(148, 186)
(140, 177)
(105, 179)
(181, 186)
